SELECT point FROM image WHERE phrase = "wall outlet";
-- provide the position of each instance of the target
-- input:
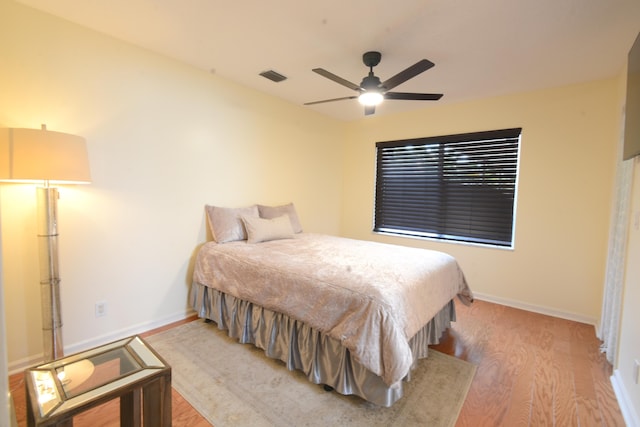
(101, 308)
(636, 371)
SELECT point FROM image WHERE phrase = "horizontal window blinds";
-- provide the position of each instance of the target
(456, 187)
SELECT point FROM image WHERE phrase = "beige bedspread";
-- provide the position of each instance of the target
(373, 297)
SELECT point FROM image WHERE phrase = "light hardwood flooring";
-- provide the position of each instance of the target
(533, 370)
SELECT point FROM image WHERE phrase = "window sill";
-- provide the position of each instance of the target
(442, 240)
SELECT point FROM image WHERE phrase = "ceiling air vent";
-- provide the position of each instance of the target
(273, 76)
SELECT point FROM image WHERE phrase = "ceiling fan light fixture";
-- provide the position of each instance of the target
(370, 98)
(371, 92)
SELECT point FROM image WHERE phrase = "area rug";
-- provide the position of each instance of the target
(234, 384)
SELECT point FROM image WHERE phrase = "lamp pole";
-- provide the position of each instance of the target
(49, 274)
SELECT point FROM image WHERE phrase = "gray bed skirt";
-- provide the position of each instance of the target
(322, 358)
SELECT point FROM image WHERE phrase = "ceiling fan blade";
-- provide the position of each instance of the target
(417, 68)
(369, 109)
(337, 79)
(413, 96)
(330, 100)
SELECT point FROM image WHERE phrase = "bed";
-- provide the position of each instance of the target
(353, 315)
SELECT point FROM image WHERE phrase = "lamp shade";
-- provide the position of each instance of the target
(32, 155)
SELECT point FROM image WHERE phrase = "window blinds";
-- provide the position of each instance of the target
(455, 187)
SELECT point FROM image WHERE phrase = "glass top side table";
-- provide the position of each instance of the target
(128, 368)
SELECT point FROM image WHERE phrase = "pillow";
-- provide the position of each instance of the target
(270, 212)
(225, 223)
(263, 230)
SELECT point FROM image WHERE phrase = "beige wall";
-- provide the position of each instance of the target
(564, 193)
(163, 140)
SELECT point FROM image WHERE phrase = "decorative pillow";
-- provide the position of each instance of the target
(263, 230)
(226, 223)
(269, 212)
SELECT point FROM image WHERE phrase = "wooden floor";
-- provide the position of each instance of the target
(533, 370)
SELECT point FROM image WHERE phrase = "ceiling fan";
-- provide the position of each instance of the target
(372, 91)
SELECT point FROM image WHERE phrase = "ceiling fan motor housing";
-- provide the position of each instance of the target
(370, 82)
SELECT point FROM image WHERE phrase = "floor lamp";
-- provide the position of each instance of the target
(48, 158)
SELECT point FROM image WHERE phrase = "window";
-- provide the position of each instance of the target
(454, 187)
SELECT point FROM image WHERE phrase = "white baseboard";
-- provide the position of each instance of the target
(538, 309)
(20, 365)
(626, 406)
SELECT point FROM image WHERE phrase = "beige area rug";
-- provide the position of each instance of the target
(232, 384)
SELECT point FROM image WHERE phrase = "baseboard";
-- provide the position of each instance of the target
(20, 365)
(626, 406)
(538, 309)
(17, 366)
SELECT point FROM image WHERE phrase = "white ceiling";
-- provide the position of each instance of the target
(480, 48)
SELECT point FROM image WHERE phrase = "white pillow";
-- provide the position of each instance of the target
(226, 223)
(263, 230)
(276, 211)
